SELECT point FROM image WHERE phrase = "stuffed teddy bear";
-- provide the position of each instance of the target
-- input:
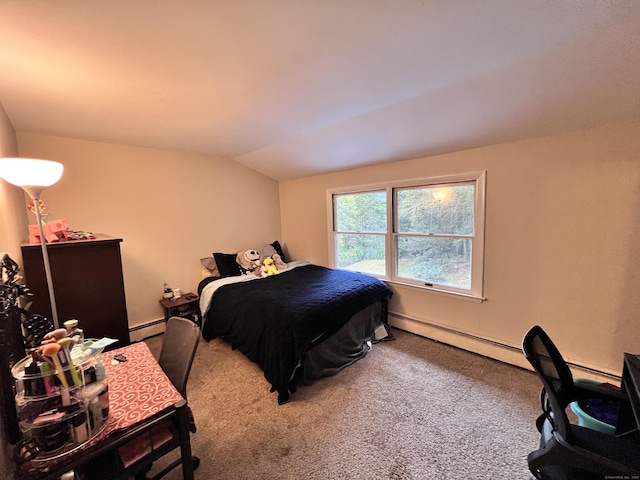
(268, 267)
(249, 261)
(266, 251)
(277, 261)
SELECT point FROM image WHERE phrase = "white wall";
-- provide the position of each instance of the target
(12, 217)
(562, 221)
(562, 229)
(170, 208)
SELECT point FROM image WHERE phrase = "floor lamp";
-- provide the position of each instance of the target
(33, 176)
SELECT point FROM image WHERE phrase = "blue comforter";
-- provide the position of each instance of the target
(275, 320)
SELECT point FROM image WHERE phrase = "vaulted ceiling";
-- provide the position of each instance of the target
(294, 88)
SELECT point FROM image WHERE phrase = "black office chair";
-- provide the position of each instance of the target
(570, 451)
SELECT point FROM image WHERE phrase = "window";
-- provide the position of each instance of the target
(361, 232)
(428, 233)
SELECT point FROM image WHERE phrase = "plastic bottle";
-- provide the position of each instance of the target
(79, 426)
(74, 332)
(95, 412)
(103, 397)
(100, 373)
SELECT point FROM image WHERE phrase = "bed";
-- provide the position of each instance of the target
(306, 322)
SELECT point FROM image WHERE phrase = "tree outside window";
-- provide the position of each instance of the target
(361, 226)
(435, 239)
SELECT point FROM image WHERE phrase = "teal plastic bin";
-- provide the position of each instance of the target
(587, 420)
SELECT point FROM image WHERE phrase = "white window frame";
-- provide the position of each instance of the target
(477, 239)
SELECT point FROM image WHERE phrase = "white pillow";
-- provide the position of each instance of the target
(209, 267)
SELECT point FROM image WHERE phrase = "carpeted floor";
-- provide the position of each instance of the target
(411, 409)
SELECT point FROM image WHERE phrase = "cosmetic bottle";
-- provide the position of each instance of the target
(74, 332)
(95, 413)
(90, 375)
(48, 376)
(103, 397)
(80, 432)
(100, 373)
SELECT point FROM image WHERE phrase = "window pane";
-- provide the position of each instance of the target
(445, 210)
(443, 261)
(362, 253)
(361, 212)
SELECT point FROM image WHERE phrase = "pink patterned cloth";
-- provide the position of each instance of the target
(138, 389)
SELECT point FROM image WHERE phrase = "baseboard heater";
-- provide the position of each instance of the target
(145, 330)
(512, 349)
(146, 325)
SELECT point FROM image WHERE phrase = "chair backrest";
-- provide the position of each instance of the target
(555, 375)
(179, 346)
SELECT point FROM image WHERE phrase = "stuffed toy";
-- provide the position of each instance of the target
(266, 251)
(249, 261)
(277, 261)
(268, 267)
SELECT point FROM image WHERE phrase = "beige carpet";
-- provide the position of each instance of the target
(411, 409)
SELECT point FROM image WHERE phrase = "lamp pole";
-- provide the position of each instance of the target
(45, 258)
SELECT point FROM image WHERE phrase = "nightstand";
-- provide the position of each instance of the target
(187, 306)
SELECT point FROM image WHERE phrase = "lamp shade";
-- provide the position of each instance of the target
(33, 176)
(29, 172)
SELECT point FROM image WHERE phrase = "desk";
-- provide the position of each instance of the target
(141, 397)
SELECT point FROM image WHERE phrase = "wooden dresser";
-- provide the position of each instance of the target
(87, 282)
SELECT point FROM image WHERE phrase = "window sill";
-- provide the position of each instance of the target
(437, 291)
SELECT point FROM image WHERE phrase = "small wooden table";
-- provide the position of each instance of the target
(186, 306)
